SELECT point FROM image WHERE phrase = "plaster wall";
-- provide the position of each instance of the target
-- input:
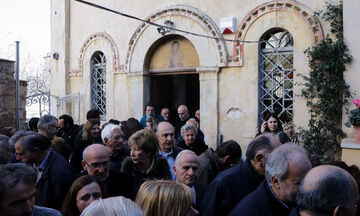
(229, 97)
(351, 35)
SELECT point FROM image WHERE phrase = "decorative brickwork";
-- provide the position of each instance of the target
(97, 36)
(291, 6)
(188, 13)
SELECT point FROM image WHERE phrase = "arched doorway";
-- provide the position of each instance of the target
(173, 77)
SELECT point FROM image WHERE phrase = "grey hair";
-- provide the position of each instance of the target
(277, 164)
(18, 135)
(46, 120)
(107, 131)
(117, 206)
(12, 174)
(186, 151)
(188, 127)
(331, 191)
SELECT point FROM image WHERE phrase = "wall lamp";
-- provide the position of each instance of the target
(165, 29)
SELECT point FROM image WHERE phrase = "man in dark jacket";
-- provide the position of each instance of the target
(167, 149)
(328, 190)
(230, 186)
(181, 119)
(116, 142)
(186, 169)
(54, 173)
(213, 162)
(285, 168)
(96, 162)
(17, 189)
(68, 129)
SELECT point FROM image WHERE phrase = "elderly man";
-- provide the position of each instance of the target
(180, 120)
(285, 168)
(167, 148)
(54, 173)
(17, 190)
(150, 111)
(48, 126)
(327, 190)
(186, 169)
(6, 151)
(188, 132)
(96, 162)
(116, 142)
(213, 162)
(230, 186)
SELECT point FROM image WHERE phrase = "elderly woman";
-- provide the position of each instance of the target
(163, 198)
(144, 162)
(188, 132)
(82, 193)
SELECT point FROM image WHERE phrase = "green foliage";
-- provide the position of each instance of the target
(325, 90)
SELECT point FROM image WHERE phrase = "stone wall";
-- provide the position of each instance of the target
(7, 96)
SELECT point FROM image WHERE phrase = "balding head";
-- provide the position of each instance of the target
(285, 168)
(165, 134)
(327, 190)
(193, 122)
(96, 161)
(186, 167)
(183, 112)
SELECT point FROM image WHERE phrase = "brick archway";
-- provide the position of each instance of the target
(299, 9)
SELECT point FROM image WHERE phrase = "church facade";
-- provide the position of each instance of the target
(235, 60)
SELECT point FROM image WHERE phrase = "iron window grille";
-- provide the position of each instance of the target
(98, 83)
(276, 71)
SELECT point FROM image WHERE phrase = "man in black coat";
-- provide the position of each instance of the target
(54, 174)
(68, 130)
(213, 162)
(181, 119)
(285, 168)
(230, 186)
(187, 171)
(96, 162)
(116, 142)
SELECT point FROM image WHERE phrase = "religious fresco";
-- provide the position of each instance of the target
(177, 53)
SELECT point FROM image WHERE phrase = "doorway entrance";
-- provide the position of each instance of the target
(174, 90)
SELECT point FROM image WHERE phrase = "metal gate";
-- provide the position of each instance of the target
(38, 98)
(69, 104)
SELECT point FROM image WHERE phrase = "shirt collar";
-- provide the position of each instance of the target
(43, 163)
(281, 202)
(164, 154)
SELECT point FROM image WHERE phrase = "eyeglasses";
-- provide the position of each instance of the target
(118, 137)
(98, 165)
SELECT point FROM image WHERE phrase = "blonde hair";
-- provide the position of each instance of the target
(87, 128)
(163, 198)
(113, 206)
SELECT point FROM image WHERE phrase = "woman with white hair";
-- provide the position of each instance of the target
(113, 206)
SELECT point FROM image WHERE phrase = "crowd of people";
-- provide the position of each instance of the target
(161, 165)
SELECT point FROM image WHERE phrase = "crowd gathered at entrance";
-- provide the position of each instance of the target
(161, 165)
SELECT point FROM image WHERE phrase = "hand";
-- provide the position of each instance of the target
(263, 127)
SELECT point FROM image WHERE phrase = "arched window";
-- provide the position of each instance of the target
(98, 83)
(276, 71)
